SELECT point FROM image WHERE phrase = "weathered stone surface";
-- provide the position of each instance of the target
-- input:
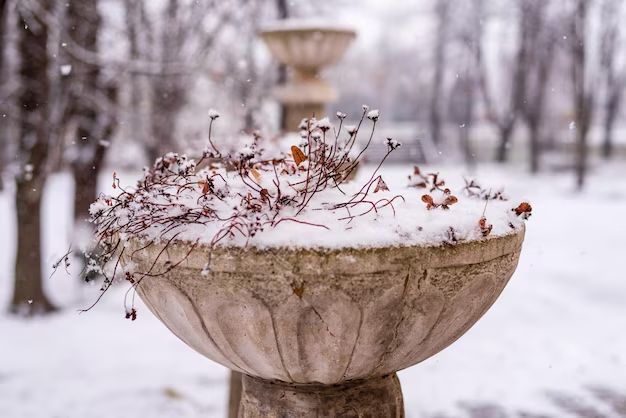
(313, 320)
(326, 316)
(374, 398)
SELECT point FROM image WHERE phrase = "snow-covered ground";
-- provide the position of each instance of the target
(553, 345)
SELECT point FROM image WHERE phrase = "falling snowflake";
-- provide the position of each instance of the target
(66, 69)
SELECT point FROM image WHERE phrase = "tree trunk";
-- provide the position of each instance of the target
(581, 159)
(283, 13)
(3, 37)
(86, 192)
(466, 146)
(610, 44)
(28, 295)
(539, 40)
(582, 93)
(502, 152)
(442, 10)
(94, 122)
(3, 123)
(164, 120)
(139, 47)
(609, 121)
(465, 122)
(535, 144)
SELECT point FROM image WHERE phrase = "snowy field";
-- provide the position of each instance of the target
(553, 345)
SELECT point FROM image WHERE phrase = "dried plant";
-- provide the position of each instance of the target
(524, 210)
(473, 189)
(239, 194)
(445, 200)
(178, 192)
(430, 181)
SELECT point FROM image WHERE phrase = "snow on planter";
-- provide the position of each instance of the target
(299, 198)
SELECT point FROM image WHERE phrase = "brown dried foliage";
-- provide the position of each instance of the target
(152, 205)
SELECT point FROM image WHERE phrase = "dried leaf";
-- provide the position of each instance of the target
(255, 173)
(298, 155)
(428, 199)
(381, 185)
(524, 210)
(205, 186)
(449, 200)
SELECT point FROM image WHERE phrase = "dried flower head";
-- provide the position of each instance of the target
(213, 114)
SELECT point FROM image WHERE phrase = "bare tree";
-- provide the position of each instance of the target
(442, 11)
(251, 78)
(3, 36)
(469, 34)
(168, 91)
(3, 42)
(181, 39)
(534, 105)
(504, 116)
(539, 41)
(614, 76)
(139, 34)
(91, 110)
(28, 295)
(3, 7)
(583, 96)
(462, 112)
(282, 7)
(249, 100)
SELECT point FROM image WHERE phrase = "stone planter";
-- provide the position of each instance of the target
(323, 332)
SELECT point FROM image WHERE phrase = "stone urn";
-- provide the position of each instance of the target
(306, 47)
(320, 332)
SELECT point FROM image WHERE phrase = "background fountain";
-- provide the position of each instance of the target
(306, 47)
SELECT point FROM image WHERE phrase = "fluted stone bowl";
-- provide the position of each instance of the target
(307, 46)
(305, 316)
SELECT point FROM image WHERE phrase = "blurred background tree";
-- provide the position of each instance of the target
(92, 86)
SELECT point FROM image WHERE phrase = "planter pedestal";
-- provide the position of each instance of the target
(376, 397)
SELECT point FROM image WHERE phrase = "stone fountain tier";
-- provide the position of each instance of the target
(306, 47)
(324, 331)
